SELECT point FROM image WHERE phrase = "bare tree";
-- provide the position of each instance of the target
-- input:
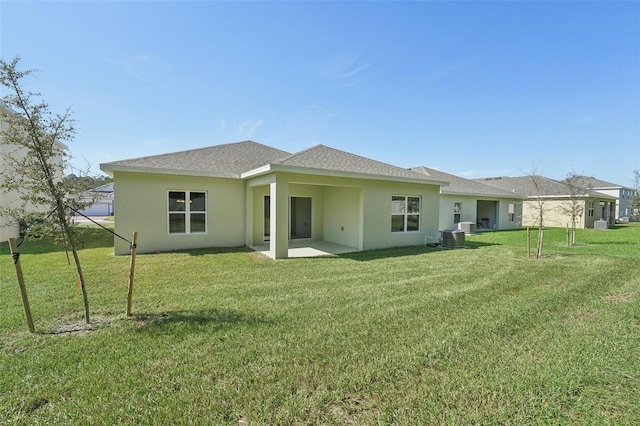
(578, 187)
(35, 160)
(539, 200)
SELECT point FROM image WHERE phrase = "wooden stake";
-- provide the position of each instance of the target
(134, 243)
(23, 289)
(528, 243)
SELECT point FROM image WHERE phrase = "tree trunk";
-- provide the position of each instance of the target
(64, 223)
(540, 238)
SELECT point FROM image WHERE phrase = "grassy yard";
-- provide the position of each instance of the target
(402, 336)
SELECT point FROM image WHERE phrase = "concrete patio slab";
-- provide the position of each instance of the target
(309, 248)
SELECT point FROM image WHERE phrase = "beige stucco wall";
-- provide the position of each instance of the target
(343, 208)
(141, 205)
(503, 214)
(555, 216)
(377, 214)
(470, 211)
(551, 216)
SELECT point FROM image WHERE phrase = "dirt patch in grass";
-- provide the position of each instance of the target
(78, 327)
(620, 298)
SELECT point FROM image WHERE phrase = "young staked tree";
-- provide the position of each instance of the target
(578, 187)
(34, 160)
(537, 195)
(540, 210)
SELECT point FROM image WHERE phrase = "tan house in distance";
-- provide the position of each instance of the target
(249, 194)
(555, 198)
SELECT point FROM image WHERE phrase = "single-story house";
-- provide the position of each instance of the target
(466, 200)
(99, 201)
(249, 194)
(556, 201)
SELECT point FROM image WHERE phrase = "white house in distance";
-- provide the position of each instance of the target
(250, 194)
(99, 201)
(466, 200)
(624, 195)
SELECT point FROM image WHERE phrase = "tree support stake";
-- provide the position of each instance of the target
(23, 290)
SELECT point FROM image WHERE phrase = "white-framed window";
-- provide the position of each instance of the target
(457, 212)
(405, 213)
(187, 212)
(591, 206)
(511, 213)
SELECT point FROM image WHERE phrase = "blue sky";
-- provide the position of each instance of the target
(474, 89)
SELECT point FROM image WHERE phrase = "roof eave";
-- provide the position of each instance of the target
(479, 194)
(270, 168)
(110, 168)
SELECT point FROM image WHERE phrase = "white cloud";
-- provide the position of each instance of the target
(247, 129)
(584, 120)
(346, 70)
(451, 68)
(146, 67)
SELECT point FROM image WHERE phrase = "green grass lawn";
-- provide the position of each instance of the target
(401, 336)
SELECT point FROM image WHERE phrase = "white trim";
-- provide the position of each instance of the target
(111, 168)
(406, 214)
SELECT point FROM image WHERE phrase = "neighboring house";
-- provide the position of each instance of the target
(555, 199)
(99, 201)
(249, 194)
(9, 226)
(466, 200)
(624, 195)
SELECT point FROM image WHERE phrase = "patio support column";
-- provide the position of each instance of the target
(248, 219)
(279, 225)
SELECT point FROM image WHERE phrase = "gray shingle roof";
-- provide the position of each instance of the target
(106, 188)
(459, 185)
(321, 157)
(228, 160)
(235, 159)
(525, 186)
(593, 183)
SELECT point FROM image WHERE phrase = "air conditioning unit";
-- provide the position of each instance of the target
(469, 228)
(600, 224)
(453, 238)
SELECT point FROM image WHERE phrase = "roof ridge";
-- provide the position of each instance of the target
(420, 175)
(293, 155)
